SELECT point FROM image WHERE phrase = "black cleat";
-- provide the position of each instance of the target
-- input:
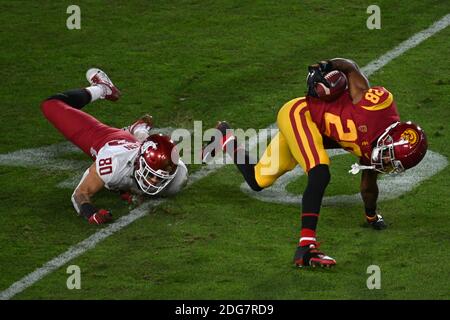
(310, 256)
(377, 222)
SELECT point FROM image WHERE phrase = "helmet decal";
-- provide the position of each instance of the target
(411, 136)
(151, 144)
(362, 128)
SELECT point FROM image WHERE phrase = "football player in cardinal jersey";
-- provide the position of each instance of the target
(128, 160)
(363, 120)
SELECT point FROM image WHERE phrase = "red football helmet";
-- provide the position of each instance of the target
(156, 164)
(402, 146)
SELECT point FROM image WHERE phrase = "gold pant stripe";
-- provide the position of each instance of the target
(298, 141)
(302, 136)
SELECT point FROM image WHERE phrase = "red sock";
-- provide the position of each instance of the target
(307, 237)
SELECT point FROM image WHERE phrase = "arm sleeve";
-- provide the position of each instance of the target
(75, 205)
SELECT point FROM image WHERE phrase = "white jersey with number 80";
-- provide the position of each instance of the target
(115, 166)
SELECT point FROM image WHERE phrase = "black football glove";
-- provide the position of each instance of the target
(316, 73)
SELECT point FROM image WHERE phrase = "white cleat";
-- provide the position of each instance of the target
(97, 77)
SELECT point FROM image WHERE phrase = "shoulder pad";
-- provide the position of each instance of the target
(376, 98)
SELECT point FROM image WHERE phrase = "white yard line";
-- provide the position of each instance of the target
(406, 45)
(141, 211)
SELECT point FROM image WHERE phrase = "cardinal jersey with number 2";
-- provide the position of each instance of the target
(355, 126)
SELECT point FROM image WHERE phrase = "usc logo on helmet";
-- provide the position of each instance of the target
(411, 136)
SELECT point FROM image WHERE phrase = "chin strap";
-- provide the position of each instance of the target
(356, 168)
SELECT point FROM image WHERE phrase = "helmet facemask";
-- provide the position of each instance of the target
(149, 180)
(383, 155)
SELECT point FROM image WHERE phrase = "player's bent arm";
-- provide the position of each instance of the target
(89, 185)
(369, 189)
(357, 81)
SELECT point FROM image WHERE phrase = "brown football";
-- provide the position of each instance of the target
(338, 84)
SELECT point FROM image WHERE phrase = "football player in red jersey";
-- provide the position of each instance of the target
(363, 120)
(128, 160)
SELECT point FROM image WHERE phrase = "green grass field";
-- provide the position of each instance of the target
(211, 60)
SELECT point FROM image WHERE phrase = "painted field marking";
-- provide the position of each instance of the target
(137, 213)
(390, 187)
(412, 42)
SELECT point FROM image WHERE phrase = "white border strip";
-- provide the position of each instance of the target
(141, 211)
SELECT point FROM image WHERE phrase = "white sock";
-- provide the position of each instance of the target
(97, 92)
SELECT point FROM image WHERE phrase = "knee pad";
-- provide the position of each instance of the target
(58, 96)
(76, 98)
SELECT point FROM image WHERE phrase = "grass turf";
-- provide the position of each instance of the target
(233, 60)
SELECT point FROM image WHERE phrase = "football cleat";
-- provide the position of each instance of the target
(209, 149)
(310, 256)
(97, 77)
(377, 222)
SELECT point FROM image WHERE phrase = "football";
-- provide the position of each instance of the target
(338, 83)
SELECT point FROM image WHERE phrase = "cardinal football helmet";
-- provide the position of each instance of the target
(402, 146)
(156, 164)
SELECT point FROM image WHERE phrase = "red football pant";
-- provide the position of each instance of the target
(82, 129)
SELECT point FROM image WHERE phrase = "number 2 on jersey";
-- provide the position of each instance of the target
(346, 139)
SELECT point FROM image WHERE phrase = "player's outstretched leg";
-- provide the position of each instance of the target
(63, 110)
(101, 87)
